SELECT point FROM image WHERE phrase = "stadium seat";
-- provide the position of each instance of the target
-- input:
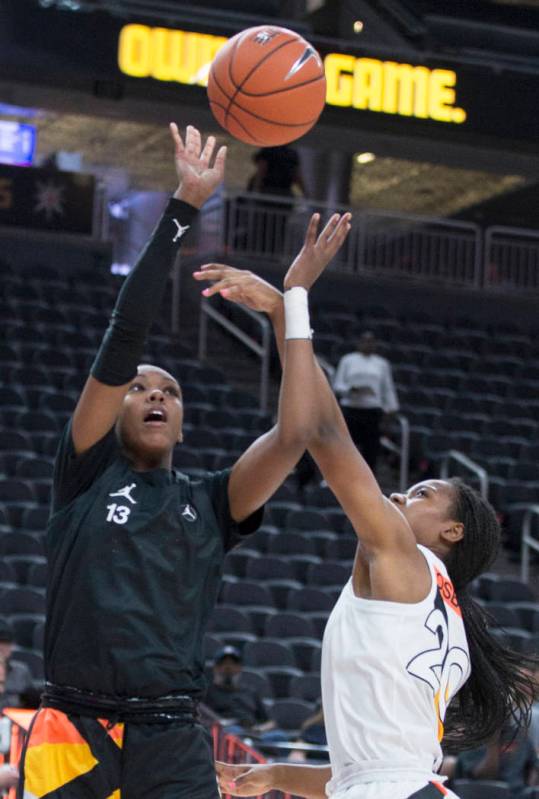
(300, 565)
(307, 520)
(289, 625)
(257, 681)
(328, 573)
(32, 659)
(507, 590)
(262, 654)
(305, 651)
(503, 615)
(20, 544)
(280, 677)
(227, 618)
(528, 614)
(269, 568)
(280, 590)
(309, 599)
(289, 714)
(288, 543)
(21, 601)
(307, 687)
(238, 559)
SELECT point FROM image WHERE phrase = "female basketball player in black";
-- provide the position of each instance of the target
(406, 651)
(136, 550)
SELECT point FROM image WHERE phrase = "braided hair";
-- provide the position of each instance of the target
(501, 687)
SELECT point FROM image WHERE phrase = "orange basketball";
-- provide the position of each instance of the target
(267, 86)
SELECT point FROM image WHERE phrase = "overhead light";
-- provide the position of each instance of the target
(358, 26)
(365, 158)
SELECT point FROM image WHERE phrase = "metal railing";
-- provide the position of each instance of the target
(432, 250)
(263, 350)
(470, 465)
(528, 541)
(438, 250)
(511, 259)
(402, 449)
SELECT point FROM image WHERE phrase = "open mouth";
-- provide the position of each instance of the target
(155, 417)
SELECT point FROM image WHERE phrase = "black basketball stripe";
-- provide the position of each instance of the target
(286, 89)
(233, 101)
(272, 121)
(237, 121)
(257, 65)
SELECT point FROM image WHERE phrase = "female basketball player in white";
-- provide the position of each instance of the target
(404, 636)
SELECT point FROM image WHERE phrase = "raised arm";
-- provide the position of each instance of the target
(398, 572)
(142, 292)
(268, 461)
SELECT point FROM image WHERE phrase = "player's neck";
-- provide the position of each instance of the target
(145, 462)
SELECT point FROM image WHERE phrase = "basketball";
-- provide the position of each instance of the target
(267, 86)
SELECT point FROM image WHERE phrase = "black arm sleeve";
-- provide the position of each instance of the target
(140, 298)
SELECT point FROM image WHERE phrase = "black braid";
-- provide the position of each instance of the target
(501, 685)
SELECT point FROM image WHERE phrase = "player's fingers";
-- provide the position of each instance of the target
(312, 229)
(197, 141)
(208, 274)
(207, 152)
(330, 227)
(192, 141)
(218, 286)
(215, 266)
(220, 159)
(176, 138)
(343, 228)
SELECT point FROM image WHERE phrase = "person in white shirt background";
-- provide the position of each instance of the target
(364, 385)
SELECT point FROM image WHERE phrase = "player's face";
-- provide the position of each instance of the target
(427, 507)
(152, 413)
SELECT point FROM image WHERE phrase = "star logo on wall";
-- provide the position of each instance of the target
(49, 199)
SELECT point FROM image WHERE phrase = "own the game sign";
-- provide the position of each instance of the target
(46, 199)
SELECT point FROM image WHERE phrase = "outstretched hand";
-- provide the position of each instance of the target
(243, 780)
(317, 251)
(241, 286)
(197, 178)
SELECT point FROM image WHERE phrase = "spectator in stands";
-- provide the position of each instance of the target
(277, 172)
(135, 549)
(364, 385)
(238, 707)
(405, 639)
(510, 757)
(17, 678)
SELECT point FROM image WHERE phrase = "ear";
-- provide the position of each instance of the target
(454, 533)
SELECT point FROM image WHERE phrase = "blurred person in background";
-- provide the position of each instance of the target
(239, 708)
(277, 172)
(18, 685)
(364, 385)
(261, 224)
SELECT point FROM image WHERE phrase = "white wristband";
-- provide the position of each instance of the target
(296, 314)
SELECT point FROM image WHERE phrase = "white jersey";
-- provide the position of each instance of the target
(389, 670)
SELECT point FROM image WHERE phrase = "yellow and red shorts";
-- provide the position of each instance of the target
(71, 756)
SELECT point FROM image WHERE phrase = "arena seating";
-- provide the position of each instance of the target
(462, 386)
